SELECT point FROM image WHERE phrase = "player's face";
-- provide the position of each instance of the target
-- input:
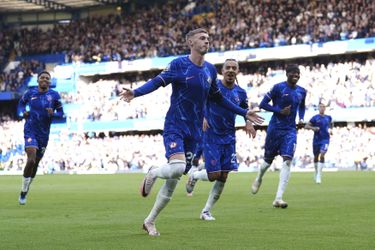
(293, 77)
(230, 71)
(322, 109)
(200, 43)
(44, 81)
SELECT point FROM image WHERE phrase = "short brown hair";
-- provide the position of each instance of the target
(196, 31)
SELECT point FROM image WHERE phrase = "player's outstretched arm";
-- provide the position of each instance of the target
(150, 86)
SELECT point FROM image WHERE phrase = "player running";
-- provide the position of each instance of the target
(42, 102)
(193, 80)
(320, 124)
(287, 98)
(219, 139)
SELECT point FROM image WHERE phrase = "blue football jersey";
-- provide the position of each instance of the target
(282, 95)
(221, 120)
(39, 121)
(191, 86)
(324, 123)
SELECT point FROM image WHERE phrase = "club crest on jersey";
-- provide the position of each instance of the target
(173, 145)
(49, 98)
(29, 139)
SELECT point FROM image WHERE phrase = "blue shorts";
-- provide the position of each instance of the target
(220, 157)
(320, 148)
(177, 143)
(280, 142)
(31, 141)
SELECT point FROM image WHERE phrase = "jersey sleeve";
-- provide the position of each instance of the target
(23, 102)
(313, 120)
(271, 95)
(169, 74)
(302, 107)
(57, 105)
(214, 89)
(244, 101)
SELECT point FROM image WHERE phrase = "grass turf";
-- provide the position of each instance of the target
(106, 212)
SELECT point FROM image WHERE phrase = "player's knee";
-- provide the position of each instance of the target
(268, 160)
(287, 162)
(213, 176)
(178, 168)
(223, 177)
(31, 161)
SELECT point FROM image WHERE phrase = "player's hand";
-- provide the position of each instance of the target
(253, 117)
(301, 124)
(286, 110)
(50, 111)
(205, 125)
(315, 129)
(26, 114)
(126, 94)
(250, 130)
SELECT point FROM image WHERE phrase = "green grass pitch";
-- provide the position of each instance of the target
(106, 212)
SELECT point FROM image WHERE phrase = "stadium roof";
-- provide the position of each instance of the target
(48, 5)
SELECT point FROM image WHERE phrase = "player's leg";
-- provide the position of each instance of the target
(207, 150)
(195, 169)
(270, 151)
(316, 152)
(213, 154)
(27, 173)
(228, 163)
(173, 169)
(164, 195)
(171, 172)
(321, 163)
(31, 149)
(287, 150)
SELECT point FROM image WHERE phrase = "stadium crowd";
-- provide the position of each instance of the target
(11, 80)
(234, 24)
(350, 147)
(340, 85)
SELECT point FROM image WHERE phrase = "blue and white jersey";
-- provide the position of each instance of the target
(191, 86)
(282, 95)
(221, 120)
(324, 123)
(39, 121)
